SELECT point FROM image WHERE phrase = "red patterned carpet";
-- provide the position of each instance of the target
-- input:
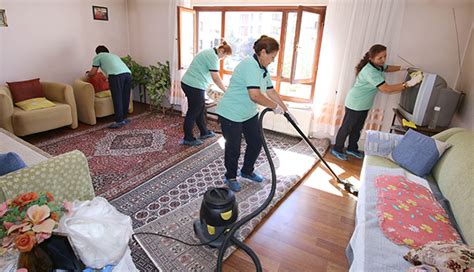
(122, 159)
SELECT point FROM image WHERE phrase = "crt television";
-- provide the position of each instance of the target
(418, 102)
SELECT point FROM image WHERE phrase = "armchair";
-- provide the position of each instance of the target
(21, 122)
(89, 107)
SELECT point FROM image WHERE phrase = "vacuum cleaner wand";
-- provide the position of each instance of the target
(347, 185)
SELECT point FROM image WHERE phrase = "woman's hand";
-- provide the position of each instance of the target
(278, 109)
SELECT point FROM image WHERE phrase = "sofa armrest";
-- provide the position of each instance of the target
(85, 95)
(66, 176)
(61, 93)
(380, 143)
(444, 135)
(6, 109)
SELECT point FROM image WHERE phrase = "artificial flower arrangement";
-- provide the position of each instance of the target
(28, 220)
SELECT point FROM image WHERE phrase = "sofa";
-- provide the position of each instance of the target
(90, 107)
(452, 181)
(22, 123)
(66, 176)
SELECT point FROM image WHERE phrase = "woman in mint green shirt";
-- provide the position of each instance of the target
(370, 78)
(238, 113)
(120, 82)
(201, 72)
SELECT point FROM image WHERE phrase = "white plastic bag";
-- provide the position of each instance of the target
(99, 232)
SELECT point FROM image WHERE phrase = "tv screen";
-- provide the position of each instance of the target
(417, 103)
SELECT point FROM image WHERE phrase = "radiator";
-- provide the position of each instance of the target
(279, 123)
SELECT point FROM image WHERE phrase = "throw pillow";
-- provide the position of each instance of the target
(24, 90)
(35, 104)
(103, 94)
(443, 256)
(10, 162)
(418, 153)
(99, 81)
(378, 143)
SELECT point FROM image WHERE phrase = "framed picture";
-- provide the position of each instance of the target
(100, 13)
(3, 18)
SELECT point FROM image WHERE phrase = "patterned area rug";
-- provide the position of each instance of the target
(122, 159)
(170, 202)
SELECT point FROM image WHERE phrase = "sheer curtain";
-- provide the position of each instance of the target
(351, 28)
(176, 96)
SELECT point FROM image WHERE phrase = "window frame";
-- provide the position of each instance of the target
(321, 10)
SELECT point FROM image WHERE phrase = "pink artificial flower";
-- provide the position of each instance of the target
(22, 270)
(37, 214)
(40, 237)
(68, 206)
(8, 225)
(3, 208)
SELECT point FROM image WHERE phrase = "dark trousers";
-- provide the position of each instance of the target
(352, 124)
(120, 87)
(196, 112)
(232, 132)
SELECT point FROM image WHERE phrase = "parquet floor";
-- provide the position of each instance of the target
(310, 228)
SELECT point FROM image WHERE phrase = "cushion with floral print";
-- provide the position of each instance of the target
(408, 213)
(443, 256)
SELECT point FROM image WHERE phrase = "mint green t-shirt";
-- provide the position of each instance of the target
(110, 64)
(198, 74)
(236, 104)
(361, 96)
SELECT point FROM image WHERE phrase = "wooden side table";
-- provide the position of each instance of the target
(397, 125)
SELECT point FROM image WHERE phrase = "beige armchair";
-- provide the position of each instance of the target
(21, 122)
(89, 107)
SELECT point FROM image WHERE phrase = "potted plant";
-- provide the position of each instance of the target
(158, 82)
(139, 74)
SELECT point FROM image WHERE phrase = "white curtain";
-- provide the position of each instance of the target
(351, 28)
(177, 96)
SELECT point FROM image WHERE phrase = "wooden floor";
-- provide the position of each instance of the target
(310, 228)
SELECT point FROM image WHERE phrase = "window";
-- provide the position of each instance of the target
(298, 30)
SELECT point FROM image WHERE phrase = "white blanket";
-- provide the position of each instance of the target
(371, 250)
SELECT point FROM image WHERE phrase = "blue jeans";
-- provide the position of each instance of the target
(120, 88)
(232, 132)
(196, 112)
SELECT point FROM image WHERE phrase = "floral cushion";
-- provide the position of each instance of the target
(408, 213)
(66, 176)
(443, 256)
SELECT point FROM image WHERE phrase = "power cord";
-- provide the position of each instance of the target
(178, 240)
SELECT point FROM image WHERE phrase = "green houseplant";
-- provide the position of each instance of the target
(139, 74)
(158, 82)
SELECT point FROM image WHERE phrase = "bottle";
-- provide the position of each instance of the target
(434, 120)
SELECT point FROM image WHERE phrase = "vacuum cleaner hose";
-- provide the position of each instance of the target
(230, 234)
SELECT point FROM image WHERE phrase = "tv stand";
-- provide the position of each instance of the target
(398, 128)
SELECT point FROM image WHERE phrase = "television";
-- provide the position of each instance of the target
(418, 102)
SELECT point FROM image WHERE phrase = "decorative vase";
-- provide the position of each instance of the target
(36, 260)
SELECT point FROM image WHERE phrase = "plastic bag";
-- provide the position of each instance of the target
(98, 232)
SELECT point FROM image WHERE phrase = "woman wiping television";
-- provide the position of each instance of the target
(370, 78)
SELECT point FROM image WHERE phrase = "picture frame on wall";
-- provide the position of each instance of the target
(100, 13)
(3, 18)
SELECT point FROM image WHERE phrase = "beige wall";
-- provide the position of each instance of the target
(151, 26)
(465, 115)
(428, 40)
(55, 39)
